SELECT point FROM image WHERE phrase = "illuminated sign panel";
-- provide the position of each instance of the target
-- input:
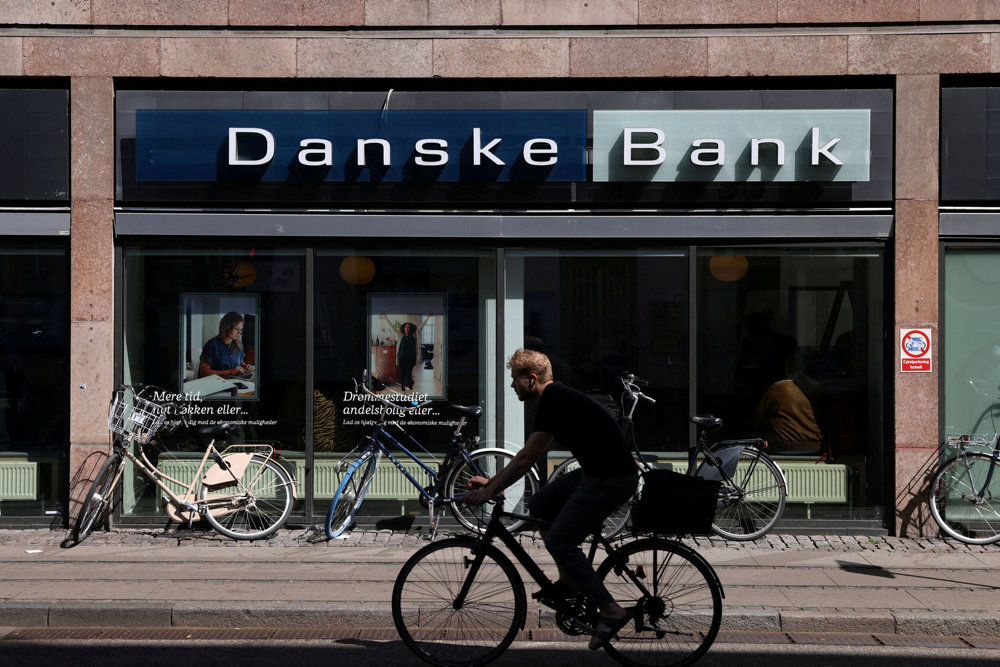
(361, 146)
(732, 145)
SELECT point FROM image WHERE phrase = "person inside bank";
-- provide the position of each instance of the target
(786, 416)
(223, 354)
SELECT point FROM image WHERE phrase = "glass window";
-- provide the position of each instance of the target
(971, 336)
(34, 375)
(193, 314)
(596, 315)
(367, 302)
(790, 349)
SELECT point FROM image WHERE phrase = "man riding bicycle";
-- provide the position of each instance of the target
(576, 504)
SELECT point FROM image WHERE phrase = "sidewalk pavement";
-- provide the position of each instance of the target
(298, 579)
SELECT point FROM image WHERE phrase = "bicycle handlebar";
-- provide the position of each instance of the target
(631, 383)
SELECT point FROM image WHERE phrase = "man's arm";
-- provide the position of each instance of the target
(533, 448)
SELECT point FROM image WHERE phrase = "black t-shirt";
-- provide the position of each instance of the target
(586, 429)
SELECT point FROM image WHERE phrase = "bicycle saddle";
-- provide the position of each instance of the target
(467, 410)
(707, 421)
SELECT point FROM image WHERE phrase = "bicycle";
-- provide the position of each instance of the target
(461, 600)
(462, 461)
(754, 489)
(244, 495)
(965, 492)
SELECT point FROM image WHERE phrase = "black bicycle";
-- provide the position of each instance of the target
(461, 601)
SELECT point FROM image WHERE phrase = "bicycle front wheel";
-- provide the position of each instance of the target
(752, 499)
(489, 463)
(256, 506)
(615, 523)
(98, 500)
(674, 596)
(358, 470)
(956, 504)
(458, 602)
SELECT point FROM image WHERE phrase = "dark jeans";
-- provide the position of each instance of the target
(406, 377)
(577, 505)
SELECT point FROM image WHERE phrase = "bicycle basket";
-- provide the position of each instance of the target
(674, 504)
(134, 417)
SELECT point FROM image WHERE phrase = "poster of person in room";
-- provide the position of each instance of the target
(220, 336)
(406, 336)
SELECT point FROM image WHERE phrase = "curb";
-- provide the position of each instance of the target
(257, 614)
(234, 614)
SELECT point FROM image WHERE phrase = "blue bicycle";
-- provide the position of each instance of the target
(462, 461)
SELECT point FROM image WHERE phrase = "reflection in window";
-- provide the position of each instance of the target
(790, 349)
(34, 408)
(176, 304)
(972, 341)
(599, 314)
(366, 302)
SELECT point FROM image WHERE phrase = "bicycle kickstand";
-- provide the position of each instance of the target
(434, 519)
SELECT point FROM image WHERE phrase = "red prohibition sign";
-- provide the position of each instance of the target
(915, 344)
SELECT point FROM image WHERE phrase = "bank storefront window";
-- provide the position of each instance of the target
(790, 345)
(181, 307)
(34, 374)
(597, 314)
(367, 302)
(971, 337)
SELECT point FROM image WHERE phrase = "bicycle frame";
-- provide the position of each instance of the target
(457, 449)
(496, 530)
(155, 475)
(994, 459)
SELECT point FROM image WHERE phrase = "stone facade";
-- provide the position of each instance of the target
(92, 42)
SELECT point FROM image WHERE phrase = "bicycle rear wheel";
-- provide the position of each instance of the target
(955, 502)
(358, 469)
(255, 506)
(98, 500)
(473, 631)
(615, 523)
(677, 617)
(489, 462)
(753, 498)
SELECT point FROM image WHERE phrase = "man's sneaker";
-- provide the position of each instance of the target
(556, 595)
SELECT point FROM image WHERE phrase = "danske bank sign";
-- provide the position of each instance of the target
(492, 145)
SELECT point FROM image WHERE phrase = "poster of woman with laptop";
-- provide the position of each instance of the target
(220, 334)
(223, 354)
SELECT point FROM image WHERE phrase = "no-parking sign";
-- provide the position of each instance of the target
(914, 351)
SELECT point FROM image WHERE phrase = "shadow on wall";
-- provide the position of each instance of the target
(913, 513)
(83, 478)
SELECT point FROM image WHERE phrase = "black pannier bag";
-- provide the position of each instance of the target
(674, 504)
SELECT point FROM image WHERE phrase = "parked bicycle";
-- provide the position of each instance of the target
(754, 489)
(462, 461)
(965, 492)
(245, 494)
(461, 601)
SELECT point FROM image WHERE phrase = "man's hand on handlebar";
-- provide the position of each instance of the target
(477, 494)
